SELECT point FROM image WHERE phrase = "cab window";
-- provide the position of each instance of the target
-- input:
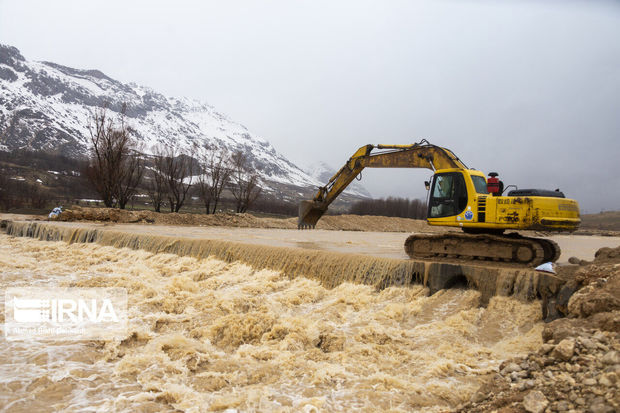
(448, 195)
(480, 184)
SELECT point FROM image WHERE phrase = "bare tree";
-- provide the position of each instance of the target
(115, 168)
(215, 176)
(177, 172)
(38, 197)
(7, 192)
(157, 185)
(130, 177)
(243, 182)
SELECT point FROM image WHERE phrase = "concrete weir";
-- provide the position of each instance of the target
(331, 268)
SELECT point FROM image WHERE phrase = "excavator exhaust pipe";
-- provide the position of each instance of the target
(309, 214)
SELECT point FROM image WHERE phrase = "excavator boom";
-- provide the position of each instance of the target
(417, 155)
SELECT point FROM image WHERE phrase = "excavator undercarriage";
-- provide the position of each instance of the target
(482, 247)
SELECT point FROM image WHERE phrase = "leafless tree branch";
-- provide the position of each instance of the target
(244, 182)
(115, 167)
(214, 177)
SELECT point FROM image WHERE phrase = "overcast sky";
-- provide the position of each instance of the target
(530, 89)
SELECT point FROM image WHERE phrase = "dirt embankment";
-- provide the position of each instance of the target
(329, 222)
(607, 221)
(605, 224)
(578, 366)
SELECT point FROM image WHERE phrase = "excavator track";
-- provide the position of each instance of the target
(551, 248)
(512, 248)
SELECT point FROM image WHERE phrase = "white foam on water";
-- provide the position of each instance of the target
(211, 335)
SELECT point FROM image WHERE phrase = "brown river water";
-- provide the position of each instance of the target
(206, 335)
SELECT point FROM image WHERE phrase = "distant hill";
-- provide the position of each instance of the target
(323, 172)
(605, 221)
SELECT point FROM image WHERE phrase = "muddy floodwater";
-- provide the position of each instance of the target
(205, 335)
(209, 335)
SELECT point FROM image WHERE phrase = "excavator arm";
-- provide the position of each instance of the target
(417, 155)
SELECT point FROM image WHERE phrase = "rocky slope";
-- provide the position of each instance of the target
(577, 369)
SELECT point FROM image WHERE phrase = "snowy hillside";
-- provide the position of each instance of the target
(46, 106)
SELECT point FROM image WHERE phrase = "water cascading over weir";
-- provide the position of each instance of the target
(330, 268)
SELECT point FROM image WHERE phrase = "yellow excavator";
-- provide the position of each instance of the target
(463, 198)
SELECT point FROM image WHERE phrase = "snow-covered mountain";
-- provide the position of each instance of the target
(47, 106)
(323, 172)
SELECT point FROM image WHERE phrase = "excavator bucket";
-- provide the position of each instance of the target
(309, 214)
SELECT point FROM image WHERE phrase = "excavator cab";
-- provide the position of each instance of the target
(448, 195)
